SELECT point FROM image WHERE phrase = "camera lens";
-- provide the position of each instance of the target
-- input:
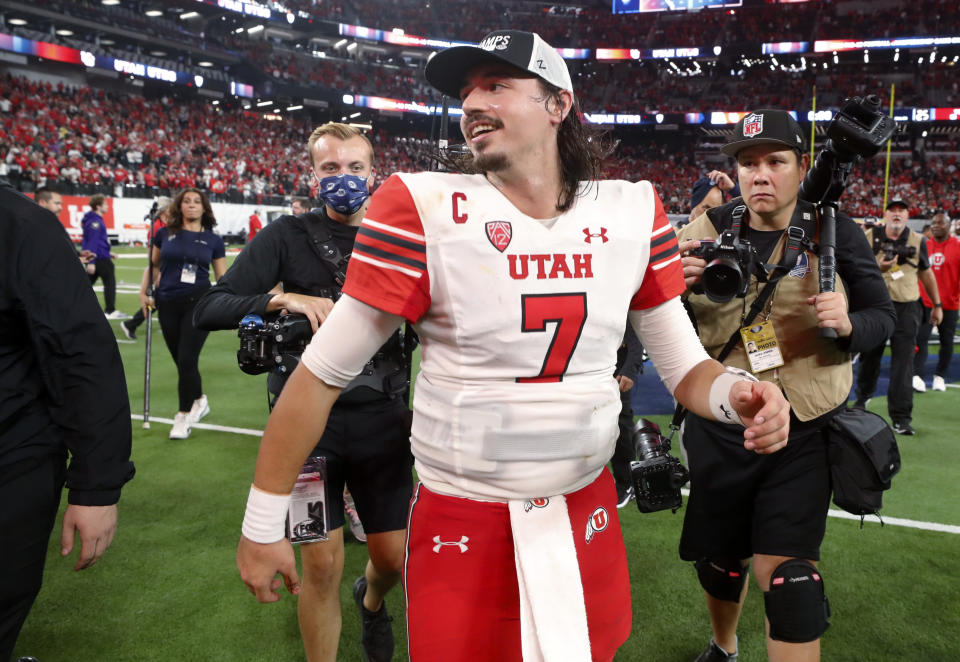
(722, 279)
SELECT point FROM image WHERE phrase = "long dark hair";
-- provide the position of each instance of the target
(176, 216)
(582, 150)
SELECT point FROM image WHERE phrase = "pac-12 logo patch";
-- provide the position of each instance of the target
(499, 233)
(752, 125)
(598, 522)
(530, 504)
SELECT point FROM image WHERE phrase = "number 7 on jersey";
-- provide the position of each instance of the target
(569, 313)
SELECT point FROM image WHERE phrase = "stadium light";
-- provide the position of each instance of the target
(16, 21)
(264, 103)
(290, 108)
(64, 32)
(255, 29)
(205, 63)
(110, 3)
(188, 15)
(153, 13)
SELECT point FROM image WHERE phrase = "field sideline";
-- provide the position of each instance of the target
(168, 588)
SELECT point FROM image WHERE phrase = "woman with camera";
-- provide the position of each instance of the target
(182, 254)
(771, 507)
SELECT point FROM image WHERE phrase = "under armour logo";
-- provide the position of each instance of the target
(591, 235)
(530, 504)
(727, 413)
(462, 544)
(598, 522)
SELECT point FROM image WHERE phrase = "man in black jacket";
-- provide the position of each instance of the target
(366, 445)
(62, 391)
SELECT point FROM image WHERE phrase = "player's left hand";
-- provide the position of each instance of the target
(96, 526)
(765, 413)
(624, 382)
(831, 310)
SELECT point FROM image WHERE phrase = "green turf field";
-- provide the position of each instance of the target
(168, 589)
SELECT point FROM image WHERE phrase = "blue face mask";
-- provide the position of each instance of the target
(344, 193)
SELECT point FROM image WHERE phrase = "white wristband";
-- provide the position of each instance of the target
(720, 405)
(265, 519)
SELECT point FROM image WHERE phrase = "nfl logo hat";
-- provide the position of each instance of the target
(762, 127)
(447, 69)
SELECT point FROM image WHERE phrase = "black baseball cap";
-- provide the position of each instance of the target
(763, 127)
(897, 202)
(447, 69)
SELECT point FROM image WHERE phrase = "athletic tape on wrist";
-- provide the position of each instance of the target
(265, 519)
(720, 405)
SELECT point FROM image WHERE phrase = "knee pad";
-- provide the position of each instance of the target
(722, 579)
(797, 609)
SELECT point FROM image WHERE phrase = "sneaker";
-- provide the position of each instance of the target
(200, 408)
(918, 384)
(714, 653)
(131, 334)
(376, 631)
(118, 315)
(181, 426)
(902, 427)
(939, 384)
(353, 518)
(625, 497)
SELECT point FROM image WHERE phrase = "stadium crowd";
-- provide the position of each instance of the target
(86, 141)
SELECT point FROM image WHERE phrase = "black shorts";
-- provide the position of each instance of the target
(367, 447)
(743, 504)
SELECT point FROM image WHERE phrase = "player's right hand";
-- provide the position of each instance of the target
(692, 266)
(315, 308)
(259, 565)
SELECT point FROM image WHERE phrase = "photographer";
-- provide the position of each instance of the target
(772, 507)
(366, 443)
(902, 257)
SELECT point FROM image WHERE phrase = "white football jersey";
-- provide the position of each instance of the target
(519, 323)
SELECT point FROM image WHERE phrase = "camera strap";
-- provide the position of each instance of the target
(321, 241)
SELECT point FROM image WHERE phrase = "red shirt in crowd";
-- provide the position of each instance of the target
(945, 262)
(255, 226)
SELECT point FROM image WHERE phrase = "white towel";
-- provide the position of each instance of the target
(553, 616)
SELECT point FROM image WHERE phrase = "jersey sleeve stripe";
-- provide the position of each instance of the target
(660, 255)
(366, 232)
(661, 265)
(661, 230)
(386, 265)
(393, 230)
(373, 251)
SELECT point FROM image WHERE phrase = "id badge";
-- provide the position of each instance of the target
(763, 348)
(896, 273)
(307, 514)
(189, 273)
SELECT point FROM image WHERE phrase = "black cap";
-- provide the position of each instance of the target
(898, 202)
(699, 191)
(762, 127)
(447, 69)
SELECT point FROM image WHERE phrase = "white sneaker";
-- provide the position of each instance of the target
(918, 384)
(200, 409)
(939, 384)
(181, 426)
(117, 315)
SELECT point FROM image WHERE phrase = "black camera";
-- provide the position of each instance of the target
(858, 130)
(901, 252)
(263, 343)
(657, 475)
(730, 262)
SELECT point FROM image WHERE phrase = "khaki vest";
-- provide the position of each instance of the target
(906, 288)
(816, 376)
